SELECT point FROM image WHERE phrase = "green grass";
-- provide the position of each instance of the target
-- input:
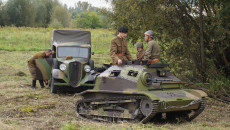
(37, 39)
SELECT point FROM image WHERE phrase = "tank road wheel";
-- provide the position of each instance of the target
(148, 108)
(53, 88)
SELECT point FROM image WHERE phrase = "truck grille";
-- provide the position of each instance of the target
(75, 73)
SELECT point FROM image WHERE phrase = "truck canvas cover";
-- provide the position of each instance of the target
(78, 36)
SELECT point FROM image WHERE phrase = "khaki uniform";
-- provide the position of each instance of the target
(152, 51)
(140, 54)
(119, 50)
(31, 63)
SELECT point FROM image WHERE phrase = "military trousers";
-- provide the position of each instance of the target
(32, 70)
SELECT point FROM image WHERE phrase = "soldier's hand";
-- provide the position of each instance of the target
(119, 62)
(46, 82)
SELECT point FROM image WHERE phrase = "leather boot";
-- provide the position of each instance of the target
(41, 83)
(33, 84)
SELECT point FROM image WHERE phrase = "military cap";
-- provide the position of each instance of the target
(149, 33)
(139, 44)
(123, 29)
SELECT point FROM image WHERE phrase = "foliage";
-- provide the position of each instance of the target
(35, 13)
(61, 15)
(81, 7)
(20, 12)
(55, 24)
(88, 19)
(44, 10)
(193, 34)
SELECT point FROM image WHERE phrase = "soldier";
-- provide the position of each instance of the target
(118, 47)
(140, 51)
(152, 52)
(32, 65)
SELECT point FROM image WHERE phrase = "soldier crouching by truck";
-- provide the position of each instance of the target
(32, 66)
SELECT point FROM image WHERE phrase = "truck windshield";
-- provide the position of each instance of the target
(73, 51)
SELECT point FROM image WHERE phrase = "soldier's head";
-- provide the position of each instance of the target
(149, 35)
(123, 31)
(139, 46)
(48, 52)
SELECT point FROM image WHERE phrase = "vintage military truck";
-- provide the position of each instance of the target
(140, 93)
(70, 64)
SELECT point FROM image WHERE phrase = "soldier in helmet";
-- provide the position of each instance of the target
(140, 51)
(152, 52)
(32, 66)
(118, 47)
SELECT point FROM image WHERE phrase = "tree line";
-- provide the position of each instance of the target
(49, 13)
(194, 34)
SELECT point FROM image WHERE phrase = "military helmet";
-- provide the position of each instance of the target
(139, 44)
(123, 29)
(149, 33)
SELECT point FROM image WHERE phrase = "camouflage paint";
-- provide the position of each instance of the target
(131, 80)
(71, 76)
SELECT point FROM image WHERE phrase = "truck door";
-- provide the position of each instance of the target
(43, 68)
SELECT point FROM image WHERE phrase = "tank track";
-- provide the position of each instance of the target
(85, 107)
(199, 110)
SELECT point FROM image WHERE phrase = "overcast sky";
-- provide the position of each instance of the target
(96, 3)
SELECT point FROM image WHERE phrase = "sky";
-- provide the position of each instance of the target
(95, 3)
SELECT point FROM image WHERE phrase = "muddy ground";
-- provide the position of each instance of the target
(24, 108)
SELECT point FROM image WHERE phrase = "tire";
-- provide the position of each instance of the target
(53, 88)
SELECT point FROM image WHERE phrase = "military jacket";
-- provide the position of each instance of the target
(38, 55)
(140, 54)
(119, 46)
(152, 51)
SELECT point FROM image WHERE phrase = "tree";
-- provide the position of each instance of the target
(3, 14)
(190, 31)
(88, 19)
(62, 15)
(20, 12)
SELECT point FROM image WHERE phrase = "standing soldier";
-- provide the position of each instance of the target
(152, 52)
(140, 51)
(118, 47)
(32, 65)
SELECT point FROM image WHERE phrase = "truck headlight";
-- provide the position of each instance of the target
(87, 68)
(62, 67)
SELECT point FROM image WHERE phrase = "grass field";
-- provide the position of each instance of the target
(36, 39)
(24, 108)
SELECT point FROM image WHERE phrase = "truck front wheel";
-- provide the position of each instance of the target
(53, 88)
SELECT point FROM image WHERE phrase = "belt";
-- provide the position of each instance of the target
(155, 60)
(152, 60)
(120, 54)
